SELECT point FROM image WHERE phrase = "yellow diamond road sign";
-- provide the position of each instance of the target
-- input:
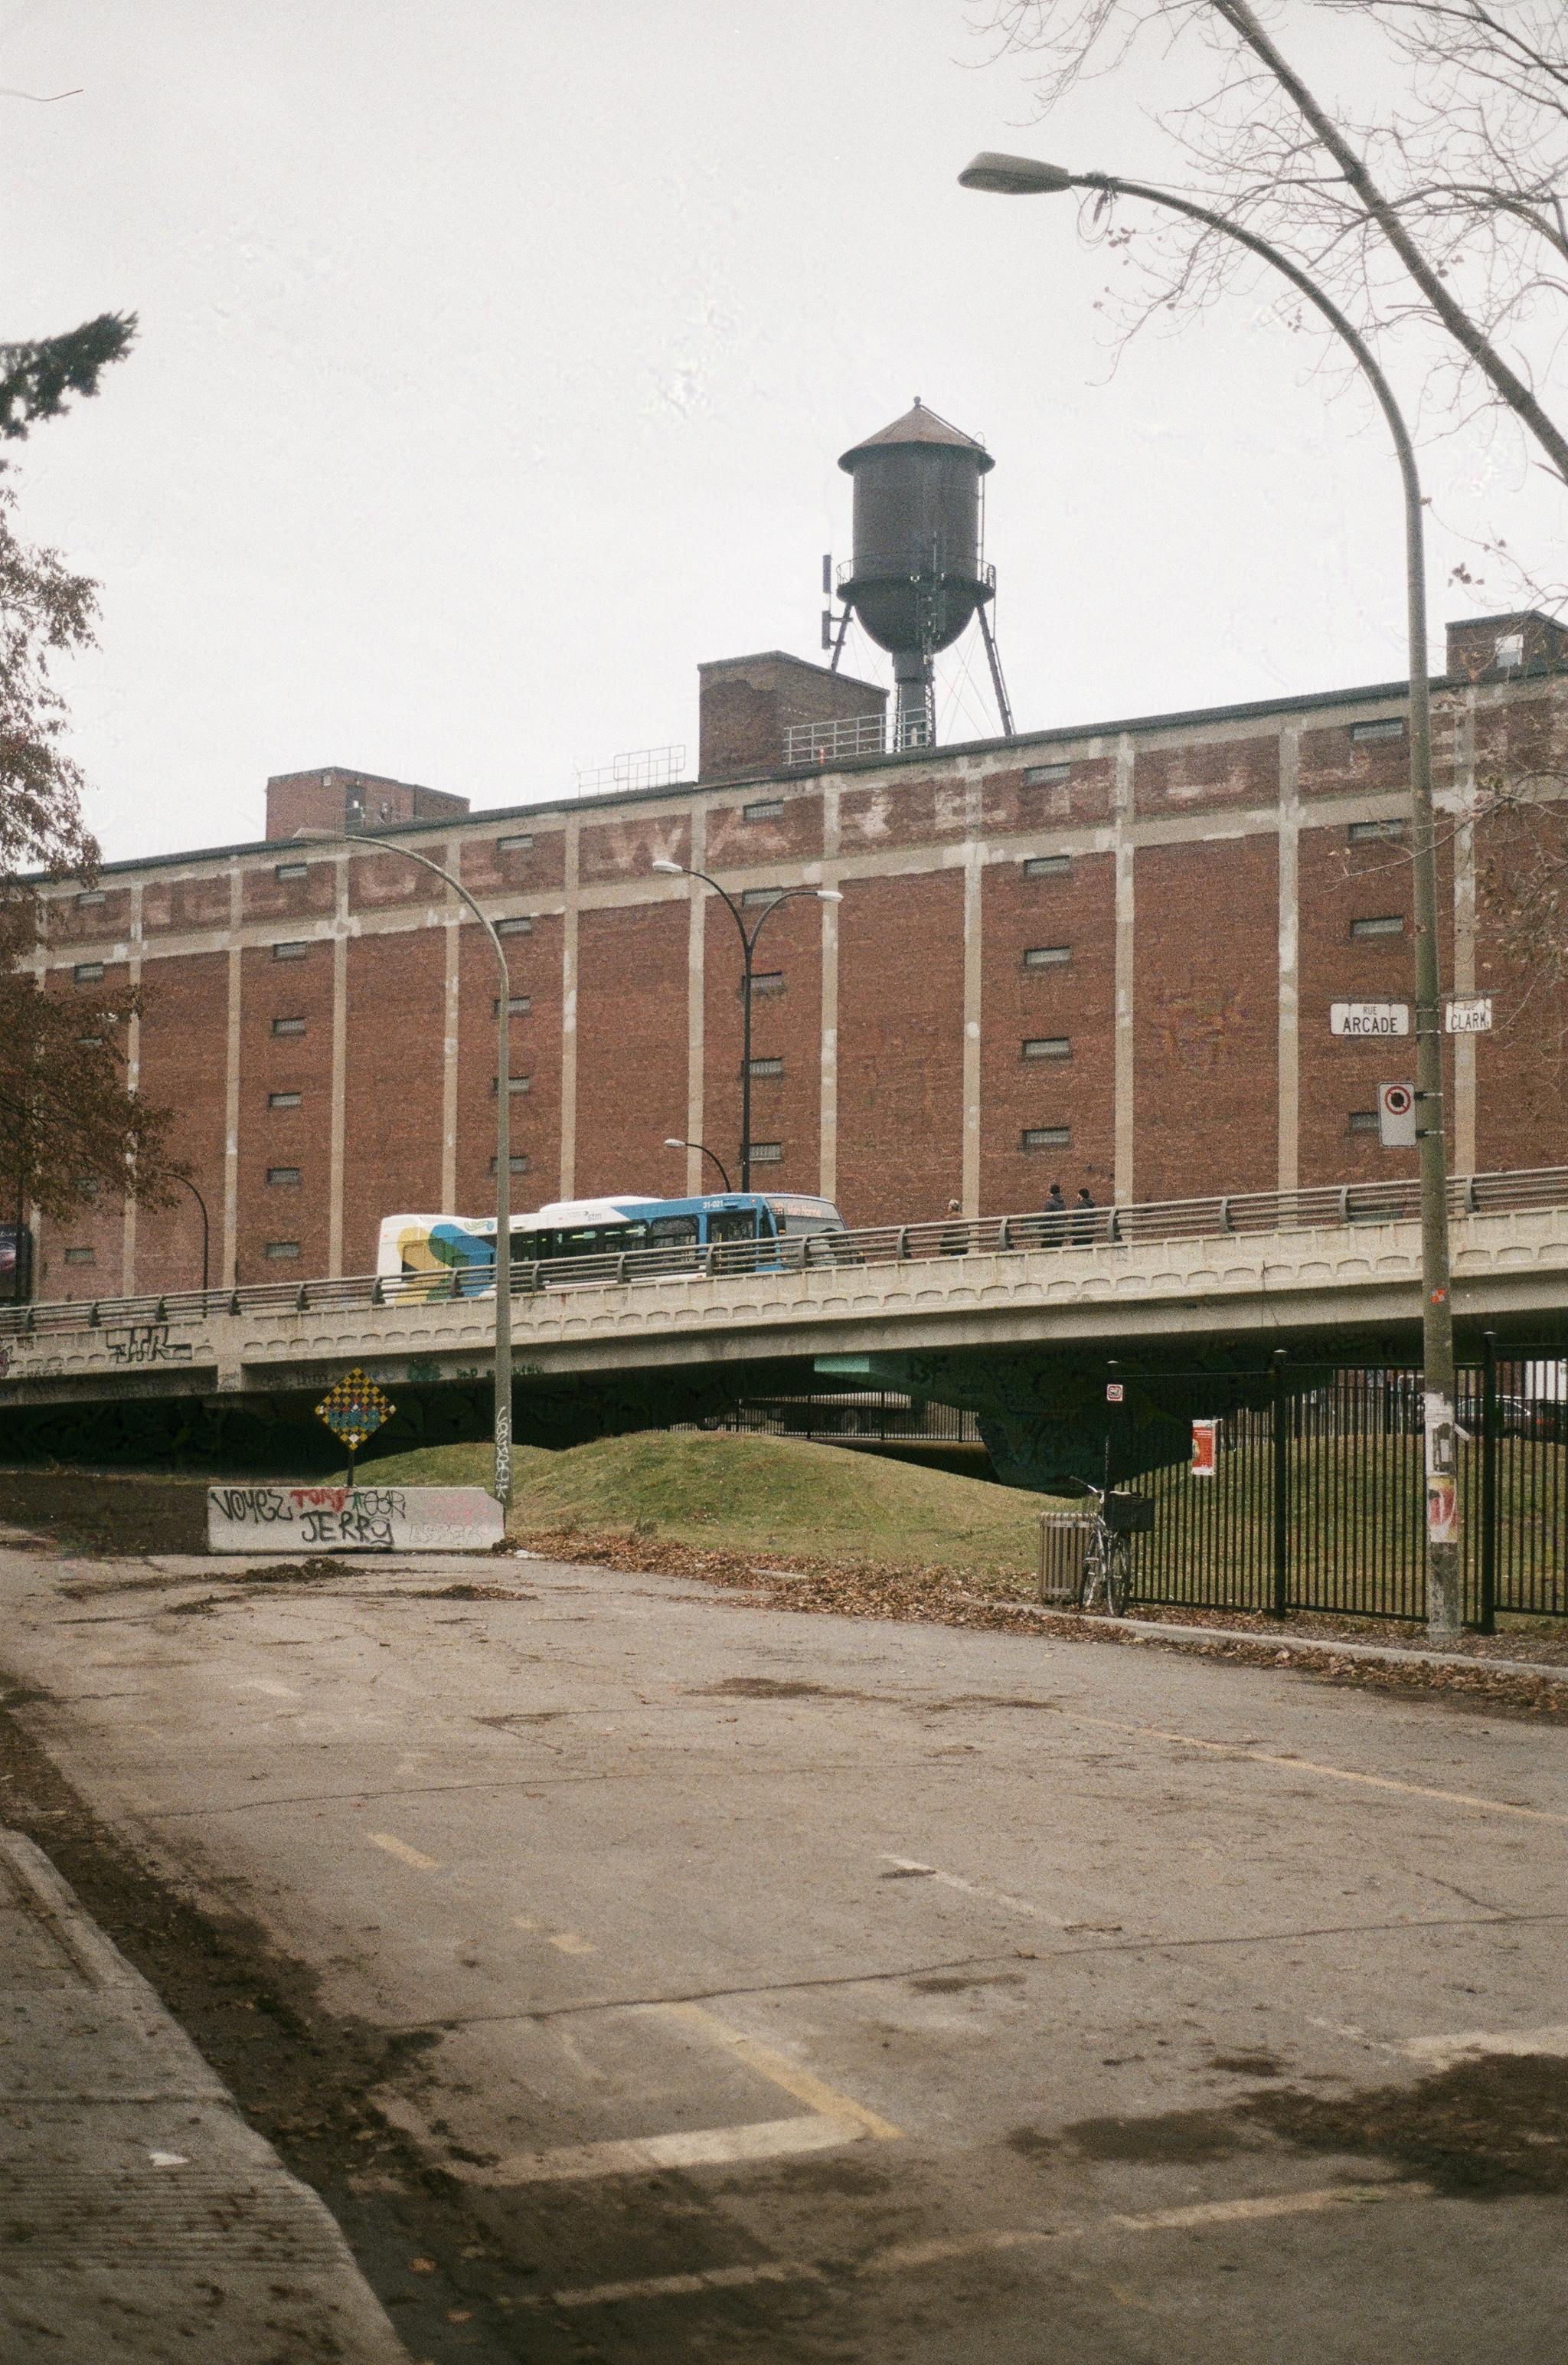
(354, 1408)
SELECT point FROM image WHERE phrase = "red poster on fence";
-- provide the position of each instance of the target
(1206, 1448)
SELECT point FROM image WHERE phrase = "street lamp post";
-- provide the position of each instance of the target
(749, 946)
(501, 1485)
(206, 1228)
(1024, 176)
(672, 1141)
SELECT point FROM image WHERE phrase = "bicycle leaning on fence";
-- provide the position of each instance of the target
(1107, 1563)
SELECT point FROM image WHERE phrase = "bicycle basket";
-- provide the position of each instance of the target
(1129, 1514)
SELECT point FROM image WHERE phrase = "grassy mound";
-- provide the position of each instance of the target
(754, 1495)
(446, 1465)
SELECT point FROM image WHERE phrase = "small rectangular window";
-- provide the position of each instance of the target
(515, 1085)
(767, 1153)
(283, 1174)
(88, 896)
(762, 894)
(1048, 1046)
(517, 1165)
(288, 1026)
(1363, 832)
(1390, 726)
(765, 809)
(1047, 866)
(291, 871)
(282, 1251)
(513, 845)
(1046, 776)
(1046, 1137)
(284, 1100)
(1507, 650)
(80, 1255)
(1363, 1121)
(768, 981)
(91, 1042)
(767, 1067)
(87, 1186)
(1390, 923)
(88, 972)
(518, 926)
(291, 952)
(1047, 956)
(517, 1005)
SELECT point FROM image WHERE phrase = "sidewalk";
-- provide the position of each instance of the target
(140, 2216)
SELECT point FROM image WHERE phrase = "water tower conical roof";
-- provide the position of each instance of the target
(919, 426)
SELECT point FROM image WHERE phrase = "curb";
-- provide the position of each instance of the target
(1389, 1653)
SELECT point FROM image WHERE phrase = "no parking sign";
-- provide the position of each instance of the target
(1396, 1115)
(1206, 1448)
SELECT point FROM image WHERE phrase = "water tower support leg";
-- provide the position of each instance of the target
(1003, 711)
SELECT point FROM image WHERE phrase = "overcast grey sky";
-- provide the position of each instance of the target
(496, 356)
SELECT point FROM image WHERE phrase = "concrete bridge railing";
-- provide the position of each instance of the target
(1510, 1265)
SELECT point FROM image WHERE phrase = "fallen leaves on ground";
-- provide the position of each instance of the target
(944, 1597)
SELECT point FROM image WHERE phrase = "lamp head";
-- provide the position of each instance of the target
(672, 1141)
(1012, 176)
(670, 869)
(829, 895)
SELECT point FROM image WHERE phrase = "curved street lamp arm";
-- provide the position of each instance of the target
(1445, 1578)
(502, 1480)
(784, 895)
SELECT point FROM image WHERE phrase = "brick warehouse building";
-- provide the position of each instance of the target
(1102, 955)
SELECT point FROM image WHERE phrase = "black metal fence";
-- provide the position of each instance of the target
(1317, 1499)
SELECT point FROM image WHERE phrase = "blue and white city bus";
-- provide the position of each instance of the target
(582, 1240)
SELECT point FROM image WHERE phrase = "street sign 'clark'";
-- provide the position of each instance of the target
(1468, 1013)
(1370, 1018)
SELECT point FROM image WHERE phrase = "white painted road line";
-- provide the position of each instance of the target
(1445, 2052)
(910, 1865)
(780, 2070)
(1310, 1765)
(700, 2147)
(402, 1851)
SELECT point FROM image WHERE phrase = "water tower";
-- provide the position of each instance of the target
(919, 575)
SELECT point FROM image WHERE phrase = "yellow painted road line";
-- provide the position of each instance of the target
(779, 2069)
(1472, 2043)
(1310, 1765)
(907, 2257)
(1272, 2204)
(770, 2270)
(402, 1851)
(634, 2156)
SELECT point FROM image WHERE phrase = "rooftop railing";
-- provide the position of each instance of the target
(1327, 1207)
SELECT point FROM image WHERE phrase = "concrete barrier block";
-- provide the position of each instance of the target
(321, 1519)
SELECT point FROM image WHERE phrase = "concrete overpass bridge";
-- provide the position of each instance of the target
(1012, 1317)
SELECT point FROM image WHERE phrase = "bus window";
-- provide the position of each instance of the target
(672, 1231)
(732, 1224)
(802, 1216)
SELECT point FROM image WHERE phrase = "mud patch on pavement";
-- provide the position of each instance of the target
(1260, 2063)
(1480, 2131)
(771, 1687)
(1487, 2130)
(79, 1512)
(1162, 2137)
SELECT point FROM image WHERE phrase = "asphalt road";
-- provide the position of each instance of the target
(787, 1988)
